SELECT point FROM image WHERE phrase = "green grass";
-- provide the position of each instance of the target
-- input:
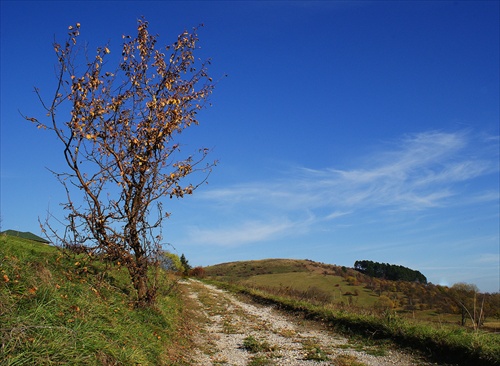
(347, 360)
(334, 286)
(314, 351)
(301, 275)
(60, 310)
(234, 271)
(260, 360)
(263, 351)
(254, 345)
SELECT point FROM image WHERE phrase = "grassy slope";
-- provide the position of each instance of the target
(299, 274)
(333, 285)
(54, 309)
(305, 274)
(24, 235)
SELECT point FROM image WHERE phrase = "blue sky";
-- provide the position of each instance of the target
(344, 130)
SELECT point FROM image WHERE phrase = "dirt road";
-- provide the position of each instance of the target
(236, 332)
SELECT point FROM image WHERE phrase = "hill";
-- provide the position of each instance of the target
(342, 286)
(57, 308)
(25, 235)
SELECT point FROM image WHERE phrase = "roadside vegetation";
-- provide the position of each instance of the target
(369, 308)
(60, 309)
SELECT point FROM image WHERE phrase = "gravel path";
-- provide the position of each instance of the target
(240, 333)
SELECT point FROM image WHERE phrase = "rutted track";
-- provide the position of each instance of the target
(279, 339)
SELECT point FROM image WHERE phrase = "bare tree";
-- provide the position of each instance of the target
(465, 297)
(120, 136)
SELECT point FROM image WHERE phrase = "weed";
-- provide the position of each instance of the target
(376, 351)
(260, 361)
(347, 360)
(287, 333)
(219, 361)
(228, 327)
(254, 345)
(314, 352)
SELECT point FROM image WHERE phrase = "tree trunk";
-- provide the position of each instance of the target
(464, 316)
(139, 275)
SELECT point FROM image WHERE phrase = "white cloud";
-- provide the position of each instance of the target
(420, 172)
(336, 214)
(489, 258)
(247, 232)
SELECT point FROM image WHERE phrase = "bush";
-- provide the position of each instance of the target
(198, 272)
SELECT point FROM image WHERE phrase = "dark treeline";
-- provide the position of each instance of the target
(389, 271)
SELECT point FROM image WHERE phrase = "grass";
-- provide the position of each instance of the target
(450, 345)
(259, 346)
(314, 351)
(347, 360)
(237, 270)
(334, 288)
(260, 360)
(60, 310)
(254, 345)
(374, 348)
(56, 309)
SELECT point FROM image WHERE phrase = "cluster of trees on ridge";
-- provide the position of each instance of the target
(389, 271)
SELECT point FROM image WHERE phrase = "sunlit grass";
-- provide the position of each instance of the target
(334, 286)
(56, 309)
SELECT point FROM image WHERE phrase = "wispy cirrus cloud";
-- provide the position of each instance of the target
(240, 233)
(488, 258)
(418, 172)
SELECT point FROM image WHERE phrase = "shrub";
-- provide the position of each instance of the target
(198, 272)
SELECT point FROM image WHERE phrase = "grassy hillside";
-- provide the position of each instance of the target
(341, 286)
(24, 235)
(56, 309)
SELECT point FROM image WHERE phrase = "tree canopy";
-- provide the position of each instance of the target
(389, 271)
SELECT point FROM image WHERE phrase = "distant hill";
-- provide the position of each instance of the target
(340, 285)
(244, 270)
(25, 235)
